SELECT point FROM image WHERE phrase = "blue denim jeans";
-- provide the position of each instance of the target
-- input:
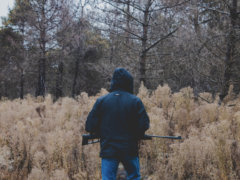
(110, 167)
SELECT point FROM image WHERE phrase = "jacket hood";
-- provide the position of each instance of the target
(122, 80)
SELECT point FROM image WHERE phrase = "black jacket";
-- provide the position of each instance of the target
(119, 118)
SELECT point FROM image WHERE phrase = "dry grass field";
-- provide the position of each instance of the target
(41, 139)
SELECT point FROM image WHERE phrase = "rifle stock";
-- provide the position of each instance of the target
(87, 137)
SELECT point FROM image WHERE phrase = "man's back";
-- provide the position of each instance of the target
(120, 120)
(119, 113)
(123, 121)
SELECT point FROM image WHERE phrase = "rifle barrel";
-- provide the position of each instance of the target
(167, 137)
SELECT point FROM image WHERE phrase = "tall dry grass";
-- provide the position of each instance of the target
(41, 139)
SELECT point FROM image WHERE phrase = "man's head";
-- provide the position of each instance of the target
(122, 80)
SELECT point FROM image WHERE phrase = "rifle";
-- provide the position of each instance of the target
(87, 137)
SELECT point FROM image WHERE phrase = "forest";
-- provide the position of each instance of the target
(58, 56)
(65, 47)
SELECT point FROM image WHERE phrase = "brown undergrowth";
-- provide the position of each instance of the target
(41, 139)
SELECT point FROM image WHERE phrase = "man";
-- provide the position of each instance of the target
(120, 120)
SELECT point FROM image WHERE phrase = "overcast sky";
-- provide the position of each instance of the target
(4, 5)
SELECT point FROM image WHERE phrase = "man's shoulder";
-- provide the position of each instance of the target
(99, 99)
(109, 95)
(132, 97)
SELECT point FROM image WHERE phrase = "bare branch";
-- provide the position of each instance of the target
(225, 2)
(134, 18)
(215, 10)
(169, 7)
(161, 39)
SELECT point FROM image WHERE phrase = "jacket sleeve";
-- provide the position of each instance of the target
(93, 119)
(143, 119)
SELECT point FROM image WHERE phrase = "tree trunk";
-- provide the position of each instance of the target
(195, 19)
(42, 61)
(230, 61)
(41, 77)
(76, 72)
(24, 59)
(22, 85)
(128, 22)
(59, 81)
(143, 67)
(41, 73)
(6, 89)
(143, 55)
